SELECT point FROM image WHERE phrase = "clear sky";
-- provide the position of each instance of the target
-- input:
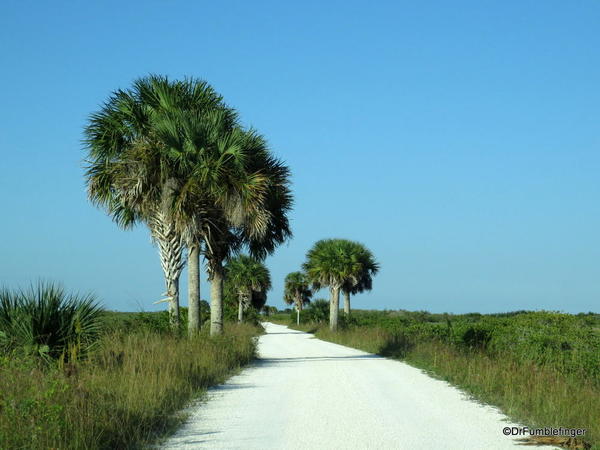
(459, 140)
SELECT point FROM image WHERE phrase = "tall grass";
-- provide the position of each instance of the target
(74, 376)
(124, 395)
(536, 395)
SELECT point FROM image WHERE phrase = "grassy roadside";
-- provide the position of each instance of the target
(531, 393)
(125, 395)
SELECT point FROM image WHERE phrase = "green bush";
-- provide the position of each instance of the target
(46, 321)
(562, 341)
(251, 315)
(567, 343)
(154, 321)
(316, 312)
(472, 336)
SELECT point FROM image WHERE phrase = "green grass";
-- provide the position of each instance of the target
(126, 394)
(279, 318)
(542, 369)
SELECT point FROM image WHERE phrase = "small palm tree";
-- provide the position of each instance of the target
(246, 275)
(332, 263)
(297, 292)
(368, 268)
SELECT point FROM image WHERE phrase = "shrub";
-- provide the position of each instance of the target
(316, 312)
(48, 322)
(472, 336)
(152, 321)
(567, 343)
(251, 315)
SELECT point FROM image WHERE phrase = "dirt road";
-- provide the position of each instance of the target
(305, 393)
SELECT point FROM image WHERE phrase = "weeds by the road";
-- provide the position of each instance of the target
(125, 395)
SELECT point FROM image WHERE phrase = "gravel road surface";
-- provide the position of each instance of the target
(304, 393)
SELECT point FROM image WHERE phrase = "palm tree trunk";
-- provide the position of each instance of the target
(194, 290)
(334, 308)
(170, 247)
(240, 308)
(347, 303)
(172, 282)
(297, 315)
(216, 299)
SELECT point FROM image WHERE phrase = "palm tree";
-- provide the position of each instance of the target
(221, 192)
(147, 156)
(258, 300)
(331, 262)
(261, 222)
(297, 291)
(239, 194)
(170, 154)
(369, 267)
(246, 275)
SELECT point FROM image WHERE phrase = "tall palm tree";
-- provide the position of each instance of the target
(239, 194)
(262, 223)
(330, 262)
(224, 190)
(368, 268)
(246, 275)
(297, 291)
(153, 148)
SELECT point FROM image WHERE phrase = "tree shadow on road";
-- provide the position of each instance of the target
(230, 387)
(285, 332)
(263, 361)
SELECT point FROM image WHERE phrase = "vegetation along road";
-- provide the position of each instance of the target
(307, 393)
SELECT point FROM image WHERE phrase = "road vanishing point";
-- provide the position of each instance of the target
(304, 393)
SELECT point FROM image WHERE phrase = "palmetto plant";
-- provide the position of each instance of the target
(297, 291)
(364, 280)
(335, 264)
(318, 311)
(48, 322)
(246, 275)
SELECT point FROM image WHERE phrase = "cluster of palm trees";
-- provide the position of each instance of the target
(340, 264)
(173, 156)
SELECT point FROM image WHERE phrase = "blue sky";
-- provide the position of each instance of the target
(458, 140)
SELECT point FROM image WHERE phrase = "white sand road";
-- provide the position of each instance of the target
(304, 393)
